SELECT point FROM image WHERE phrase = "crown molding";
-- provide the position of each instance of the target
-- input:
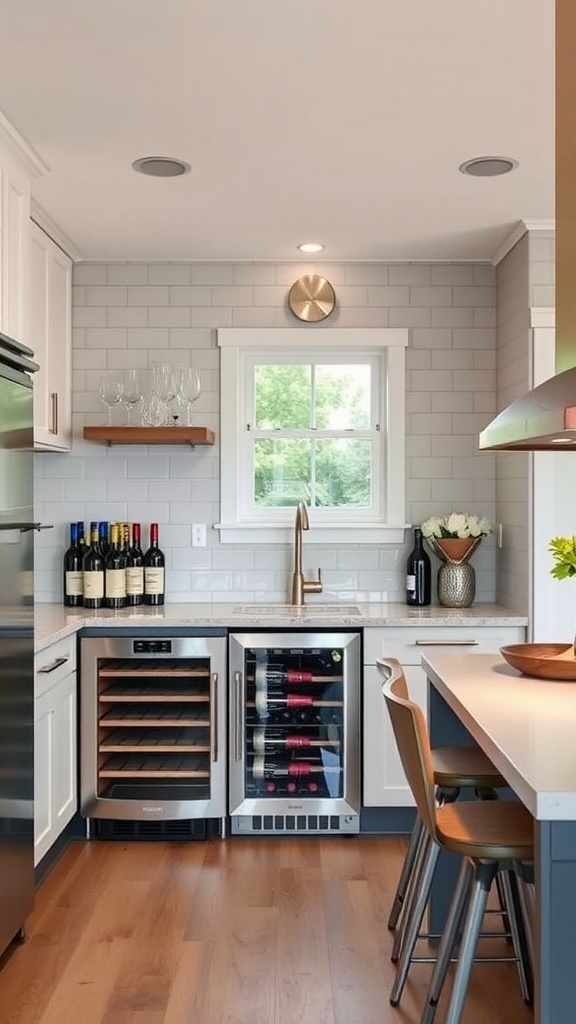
(520, 229)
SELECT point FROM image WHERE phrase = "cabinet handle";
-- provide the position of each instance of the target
(446, 643)
(238, 713)
(55, 664)
(214, 716)
(54, 410)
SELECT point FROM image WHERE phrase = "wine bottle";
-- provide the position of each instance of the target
(104, 539)
(93, 572)
(418, 574)
(266, 674)
(73, 586)
(115, 573)
(266, 739)
(273, 768)
(134, 569)
(81, 536)
(154, 570)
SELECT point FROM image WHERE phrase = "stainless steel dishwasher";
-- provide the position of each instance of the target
(153, 725)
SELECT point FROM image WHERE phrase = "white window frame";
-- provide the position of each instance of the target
(238, 343)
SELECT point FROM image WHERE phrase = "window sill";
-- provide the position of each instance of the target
(353, 533)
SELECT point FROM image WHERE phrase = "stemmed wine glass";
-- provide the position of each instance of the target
(164, 385)
(189, 389)
(110, 392)
(131, 391)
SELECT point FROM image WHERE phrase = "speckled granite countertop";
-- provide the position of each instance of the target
(53, 622)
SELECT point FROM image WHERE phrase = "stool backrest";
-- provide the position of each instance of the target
(412, 740)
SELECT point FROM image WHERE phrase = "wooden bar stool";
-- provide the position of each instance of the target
(490, 836)
(455, 768)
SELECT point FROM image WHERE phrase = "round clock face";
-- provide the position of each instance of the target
(311, 298)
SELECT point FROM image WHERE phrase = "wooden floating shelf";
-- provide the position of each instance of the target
(150, 435)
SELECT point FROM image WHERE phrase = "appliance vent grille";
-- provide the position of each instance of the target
(296, 824)
(148, 831)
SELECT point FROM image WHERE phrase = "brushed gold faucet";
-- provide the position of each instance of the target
(300, 586)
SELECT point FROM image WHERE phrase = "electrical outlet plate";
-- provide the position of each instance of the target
(198, 535)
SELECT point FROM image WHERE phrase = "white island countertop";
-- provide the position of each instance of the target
(527, 726)
(54, 622)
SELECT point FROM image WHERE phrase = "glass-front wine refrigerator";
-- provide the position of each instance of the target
(295, 732)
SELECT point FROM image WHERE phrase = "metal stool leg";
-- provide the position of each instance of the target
(414, 922)
(483, 878)
(517, 931)
(404, 880)
(449, 939)
(424, 843)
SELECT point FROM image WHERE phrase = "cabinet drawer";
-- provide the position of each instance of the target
(54, 663)
(409, 645)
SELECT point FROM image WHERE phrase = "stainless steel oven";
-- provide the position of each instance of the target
(153, 726)
(294, 732)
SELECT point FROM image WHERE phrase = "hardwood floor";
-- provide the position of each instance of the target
(242, 931)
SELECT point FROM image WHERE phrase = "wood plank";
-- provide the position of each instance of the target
(150, 435)
(263, 930)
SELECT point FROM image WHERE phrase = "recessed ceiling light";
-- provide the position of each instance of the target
(161, 166)
(488, 166)
(310, 247)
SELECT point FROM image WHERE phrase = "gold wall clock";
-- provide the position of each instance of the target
(311, 298)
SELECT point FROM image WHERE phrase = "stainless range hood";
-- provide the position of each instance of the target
(545, 418)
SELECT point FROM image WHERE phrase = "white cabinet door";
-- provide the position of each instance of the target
(15, 205)
(55, 739)
(51, 338)
(384, 783)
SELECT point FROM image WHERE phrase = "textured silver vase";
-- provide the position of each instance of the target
(456, 585)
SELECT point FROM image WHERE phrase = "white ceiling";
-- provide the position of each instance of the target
(342, 121)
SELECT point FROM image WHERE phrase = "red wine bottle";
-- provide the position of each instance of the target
(418, 574)
(154, 570)
(73, 584)
(276, 768)
(134, 569)
(93, 572)
(267, 739)
(115, 573)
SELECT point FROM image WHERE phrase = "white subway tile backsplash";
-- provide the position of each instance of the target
(389, 296)
(127, 273)
(169, 316)
(148, 295)
(169, 273)
(105, 296)
(411, 274)
(409, 316)
(190, 295)
(89, 316)
(433, 296)
(126, 316)
(135, 314)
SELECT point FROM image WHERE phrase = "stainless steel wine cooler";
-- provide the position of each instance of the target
(153, 727)
(294, 743)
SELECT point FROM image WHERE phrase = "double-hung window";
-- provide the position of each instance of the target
(314, 416)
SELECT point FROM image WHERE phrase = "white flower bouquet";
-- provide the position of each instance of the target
(457, 525)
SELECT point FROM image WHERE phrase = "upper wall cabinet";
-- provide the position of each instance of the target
(18, 165)
(50, 336)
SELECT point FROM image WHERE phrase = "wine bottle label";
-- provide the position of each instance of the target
(134, 580)
(154, 580)
(115, 583)
(74, 583)
(93, 585)
(411, 584)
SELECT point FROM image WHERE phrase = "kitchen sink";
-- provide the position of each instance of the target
(343, 610)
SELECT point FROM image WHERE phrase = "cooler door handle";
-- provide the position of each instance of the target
(238, 715)
(214, 716)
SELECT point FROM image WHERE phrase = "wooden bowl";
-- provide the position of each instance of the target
(546, 661)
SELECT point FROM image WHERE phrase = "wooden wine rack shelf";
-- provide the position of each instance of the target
(154, 721)
(150, 435)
